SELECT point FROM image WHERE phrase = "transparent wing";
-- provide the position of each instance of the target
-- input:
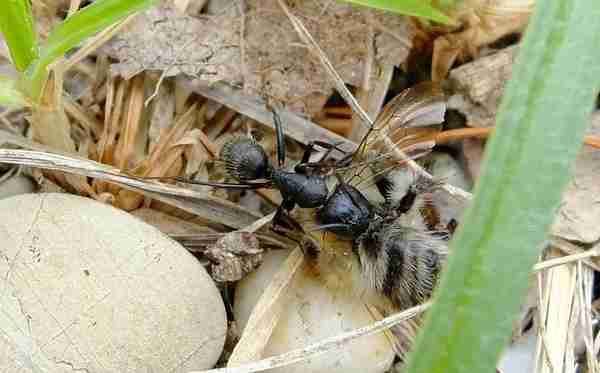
(401, 125)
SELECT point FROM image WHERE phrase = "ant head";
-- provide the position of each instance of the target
(347, 212)
(245, 159)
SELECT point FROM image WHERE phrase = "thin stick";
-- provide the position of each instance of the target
(266, 312)
(326, 345)
(565, 259)
(483, 133)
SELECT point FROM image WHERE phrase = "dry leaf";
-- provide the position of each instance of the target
(579, 213)
(234, 255)
(478, 86)
(481, 22)
(275, 63)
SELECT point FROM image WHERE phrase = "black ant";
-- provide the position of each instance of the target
(247, 162)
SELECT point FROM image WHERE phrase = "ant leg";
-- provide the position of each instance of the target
(305, 164)
(282, 218)
(310, 147)
(288, 227)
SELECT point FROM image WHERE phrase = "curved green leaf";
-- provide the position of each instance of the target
(16, 24)
(416, 8)
(73, 30)
(540, 127)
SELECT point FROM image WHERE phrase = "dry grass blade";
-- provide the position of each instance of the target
(259, 223)
(585, 278)
(569, 259)
(197, 243)
(571, 249)
(327, 345)
(213, 209)
(297, 128)
(266, 313)
(559, 315)
(345, 93)
(337, 80)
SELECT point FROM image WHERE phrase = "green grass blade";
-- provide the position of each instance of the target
(72, 31)
(16, 24)
(540, 128)
(416, 8)
(10, 95)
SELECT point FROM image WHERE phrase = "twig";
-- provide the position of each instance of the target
(483, 133)
(326, 345)
(566, 259)
(214, 209)
(266, 312)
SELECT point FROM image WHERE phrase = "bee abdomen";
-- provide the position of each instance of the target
(245, 159)
(401, 263)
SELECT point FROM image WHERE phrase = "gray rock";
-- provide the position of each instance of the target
(87, 287)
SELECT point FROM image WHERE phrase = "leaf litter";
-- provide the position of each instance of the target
(169, 101)
(210, 48)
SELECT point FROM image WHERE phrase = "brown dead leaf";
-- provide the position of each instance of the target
(478, 86)
(164, 39)
(481, 22)
(579, 213)
(275, 62)
(234, 255)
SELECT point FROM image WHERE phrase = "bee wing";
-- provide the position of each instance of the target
(420, 106)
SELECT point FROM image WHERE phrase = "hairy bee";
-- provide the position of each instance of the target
(399, 261)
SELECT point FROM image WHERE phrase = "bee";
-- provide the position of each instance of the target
(399, 256)
(400, 259)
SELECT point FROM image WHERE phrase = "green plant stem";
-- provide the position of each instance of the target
(540, 127)
(16, 24)
(72, 31)
(10, 96)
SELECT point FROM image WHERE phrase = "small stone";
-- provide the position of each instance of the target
(19, 184)
(312, 313)
(86, 287)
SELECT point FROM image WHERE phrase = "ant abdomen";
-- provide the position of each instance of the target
(245, 159)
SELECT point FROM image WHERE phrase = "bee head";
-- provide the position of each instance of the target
(245, 159)
(346, 213)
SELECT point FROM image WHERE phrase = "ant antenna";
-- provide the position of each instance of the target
(280, 139)
(279, 133)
